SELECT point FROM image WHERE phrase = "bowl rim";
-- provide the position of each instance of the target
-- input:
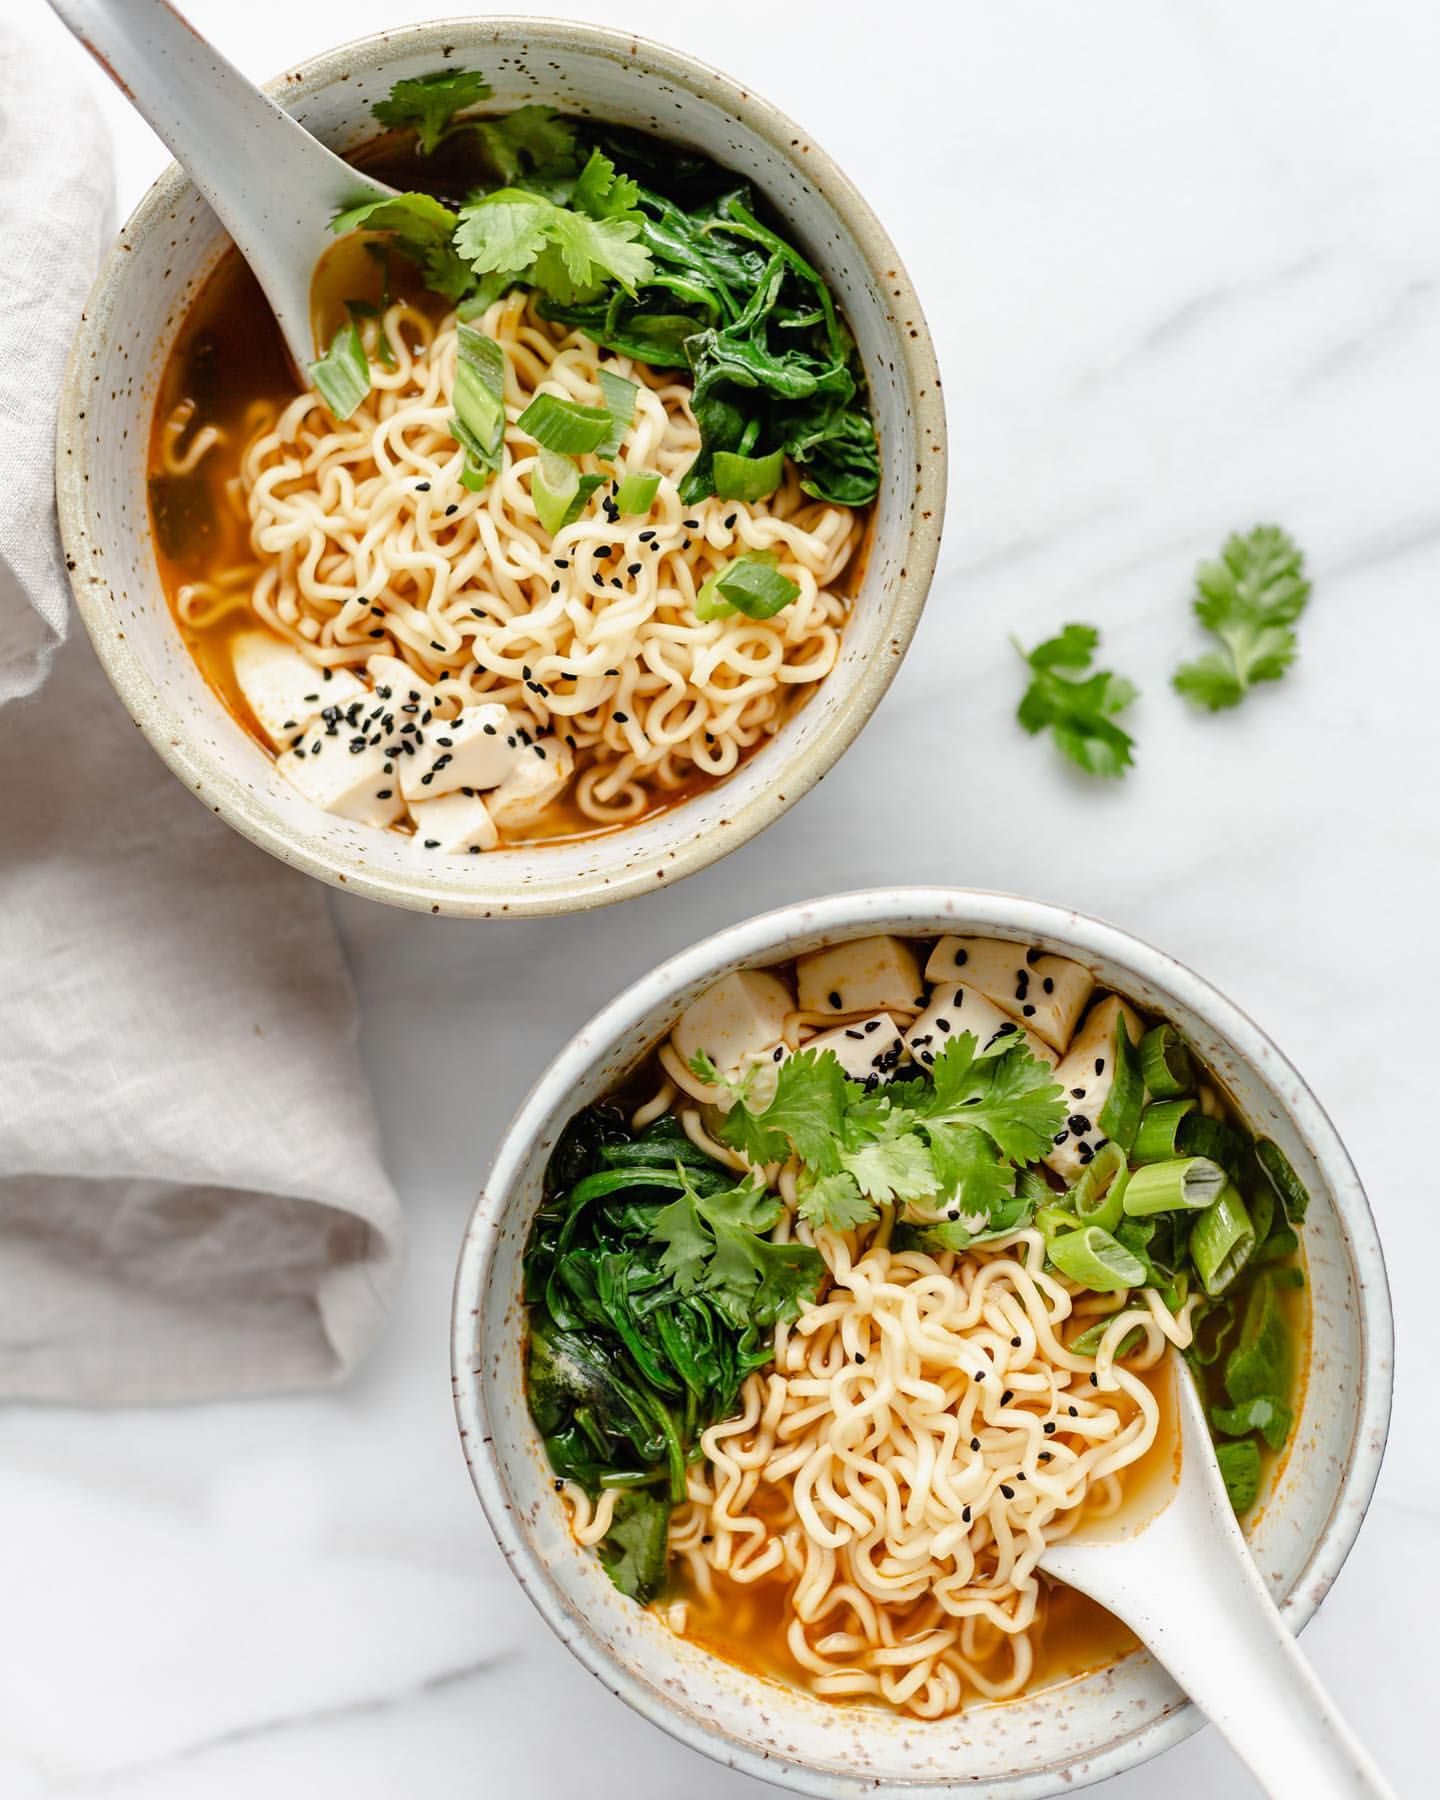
(244, 809)
(752, 941)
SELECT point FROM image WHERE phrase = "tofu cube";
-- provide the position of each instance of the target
(955, 1008)
(362, 786)
(455, 824)
(478, 749)
(1045, 993)
(736, 1022)
(285, 690)
(539, 776)
(873, 974)
(1086, 1075)
(868, 1050)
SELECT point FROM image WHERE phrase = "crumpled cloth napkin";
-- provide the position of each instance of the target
(192, 1201)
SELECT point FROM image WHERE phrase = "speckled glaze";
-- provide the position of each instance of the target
(1090, 1728)
(171, 244)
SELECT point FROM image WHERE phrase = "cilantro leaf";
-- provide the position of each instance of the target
(970, 1172)
(688, 1244)
(1079, 714)
(892, 1168)
(636, 1548)
(1250, 600)
(602, 193)
(532, 146)
(1013, 1097)
(806, 1114)
(714, 1245)
(428, 103)
(569, 255)
(836, 1201)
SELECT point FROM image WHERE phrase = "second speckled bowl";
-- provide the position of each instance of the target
(1045, 1744)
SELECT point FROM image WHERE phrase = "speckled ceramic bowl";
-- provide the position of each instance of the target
(171, 244)
(1093, 1727)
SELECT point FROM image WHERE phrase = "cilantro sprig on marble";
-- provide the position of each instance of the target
(1250, 600)
(1078, 709)
(952, 1142)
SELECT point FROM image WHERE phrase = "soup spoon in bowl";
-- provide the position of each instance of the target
(1174, 1566)
(273, 187)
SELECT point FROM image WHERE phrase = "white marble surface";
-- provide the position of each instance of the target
(1181, 262)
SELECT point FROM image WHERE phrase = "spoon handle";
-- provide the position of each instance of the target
(1188, 1588)
(272, 186)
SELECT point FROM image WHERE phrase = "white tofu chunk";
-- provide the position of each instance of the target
(283, 689)
(1086, 1075)
(478, 749)
(736, 1022)
(362, 787)
(455, 824)
(1045, 993)
(873, 974)
(537, 778)
(955, 1008)
(867, 1051)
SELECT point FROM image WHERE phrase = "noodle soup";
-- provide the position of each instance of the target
(550, 540)
(865, 1288)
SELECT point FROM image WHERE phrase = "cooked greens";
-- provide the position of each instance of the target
(665, 259)
(652, 1286)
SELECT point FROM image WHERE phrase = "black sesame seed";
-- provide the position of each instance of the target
(645, 536)
(834, 998)
(731, 520)
(622, 718)
(554, 587)
(422, 487)
(377, 633)
(450, 511)
(961, 958)
(965, 1515)
(1099, 1065)
(859, 1356)
(974, 1443)
(1077, 1093)
(1048, 984)
(1028, 1011)
(1007, 1490)
(434, 844)
(1049, 1428)
(691, 524)
(384, 793)
(1007, 1396)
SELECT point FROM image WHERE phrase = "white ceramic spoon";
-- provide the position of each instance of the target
(1182, 1578)
(273, 187)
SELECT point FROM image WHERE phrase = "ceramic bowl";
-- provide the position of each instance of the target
(1089, 1728)
(140, 299)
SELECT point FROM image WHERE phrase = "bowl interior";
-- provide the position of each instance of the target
(1088, 1728)
(173, 242)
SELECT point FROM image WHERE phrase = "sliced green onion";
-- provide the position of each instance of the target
(1096, 1260)
(748, 477)
(1155, 1140)
(751, 585)
(636, 493)
(1240, 1468)
(1199, 1135)
(479, 402)
(1088, 1342)
(1120, 1116)
(1005, 1216)
(564, 425)
(559, 490)
(1266, 1413)
(1188, 1184)
(1165, 1062)
(1055, 1221)
(342, 375)
(1260, 1362)
(620, 403)
(1099, 1194)
(1221, 1241)
(1261, 1207)
(1294, 1196)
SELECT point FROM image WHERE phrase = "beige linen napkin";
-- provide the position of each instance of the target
(191, 1195)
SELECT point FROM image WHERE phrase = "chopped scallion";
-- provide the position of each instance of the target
(1088, 1342)
(620, 403)
(1096, 1260)
(342, 375)
(479, 401)
(751, 585)
(1166, 1063)
(636, 493)
(559, 490)
(565, 426)
(1188, 1184)
(1120, 1115)
(1294, 1196)
(1159, 1123)
(1098, 1196)
(1221, 1241)
(748, 477)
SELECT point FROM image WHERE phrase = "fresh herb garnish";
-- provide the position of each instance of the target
(1079, 714)
(428, 103)
(1250, 600)
(751, 585)
(479, 397)
(953, 1140)
(342, 375)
